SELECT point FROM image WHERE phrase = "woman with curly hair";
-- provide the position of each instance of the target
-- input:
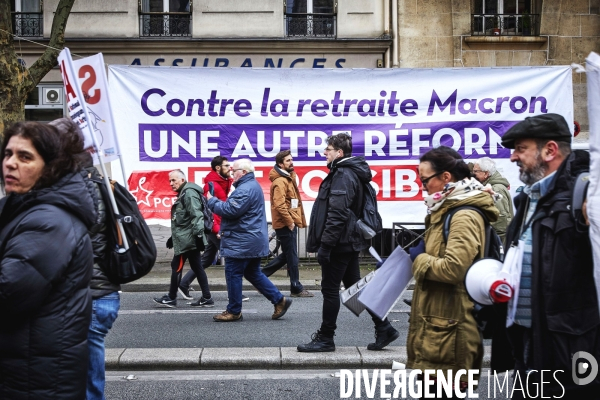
(46, 262)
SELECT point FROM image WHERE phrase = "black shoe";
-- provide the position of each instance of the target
(202, 302)
(319, 343)
(383, 338)
(166, 301)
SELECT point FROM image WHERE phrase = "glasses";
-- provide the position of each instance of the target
(238, 169)
(476, 171)
(425, 181)
(328, 149)
(225, 166)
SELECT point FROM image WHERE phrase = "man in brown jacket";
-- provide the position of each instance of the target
(287, 216)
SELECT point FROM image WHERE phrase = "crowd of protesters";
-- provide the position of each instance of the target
(57, 305)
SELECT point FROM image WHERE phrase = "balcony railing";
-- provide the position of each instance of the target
(28, 24)
(505, 24)
(165, 24)
(310, 25)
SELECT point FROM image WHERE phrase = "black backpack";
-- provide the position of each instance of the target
(485, 316)
(122, 266)
(206, 213)
(370, 216)
(493, 244)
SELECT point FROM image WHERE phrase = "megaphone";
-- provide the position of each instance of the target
(487, 283)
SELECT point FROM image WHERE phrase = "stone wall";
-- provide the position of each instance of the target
(437, 33)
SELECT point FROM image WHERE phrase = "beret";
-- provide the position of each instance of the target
(544, 126)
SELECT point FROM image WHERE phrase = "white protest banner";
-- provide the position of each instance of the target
(75, 101)
(183, 117)
(593, 195)
(79, 114)
(94, 87)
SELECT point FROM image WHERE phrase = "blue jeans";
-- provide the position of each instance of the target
(249, 268)
(289, 256)
(104, 313)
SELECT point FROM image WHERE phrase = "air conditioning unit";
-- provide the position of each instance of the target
(52, 96)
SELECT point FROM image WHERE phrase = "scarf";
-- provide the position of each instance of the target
(459, 190)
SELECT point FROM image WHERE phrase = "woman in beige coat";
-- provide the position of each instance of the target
(443, 333)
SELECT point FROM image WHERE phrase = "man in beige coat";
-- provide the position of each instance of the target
(287, 216)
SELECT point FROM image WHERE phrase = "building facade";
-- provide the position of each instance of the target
(313, 34)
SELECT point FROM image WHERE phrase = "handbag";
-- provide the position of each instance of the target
(349, 297)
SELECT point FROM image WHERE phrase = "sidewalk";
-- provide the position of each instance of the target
(256, 358)
(158, 279)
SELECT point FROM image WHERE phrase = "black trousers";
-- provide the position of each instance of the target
(195, 263)
(342, 267)
(289, 256)
(207, 259)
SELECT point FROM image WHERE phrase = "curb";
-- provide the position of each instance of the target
(244, 358)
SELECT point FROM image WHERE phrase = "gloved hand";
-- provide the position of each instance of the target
(323, 255)
(199, 243)
(170, 243)
(380, 263)
(418, 249)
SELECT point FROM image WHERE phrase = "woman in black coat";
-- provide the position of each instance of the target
(46, 263)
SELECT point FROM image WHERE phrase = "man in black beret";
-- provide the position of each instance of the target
(556, 325)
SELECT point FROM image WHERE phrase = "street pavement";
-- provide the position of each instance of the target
(147, 336)
(261, 384)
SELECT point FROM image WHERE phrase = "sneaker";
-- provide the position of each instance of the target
(202, 302)
(318, 344)
(383, 338)
(304, 293)
(166, 301)
(226, 316)
(281, 308)
(185, 293)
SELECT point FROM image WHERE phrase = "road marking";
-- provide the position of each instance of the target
(175, 311)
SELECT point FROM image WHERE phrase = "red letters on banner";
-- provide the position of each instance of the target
(155, 197)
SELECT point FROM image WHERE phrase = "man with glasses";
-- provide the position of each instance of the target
(556, 316)
(220, 180)
(244, 241)
(333, 235)
(485, 172)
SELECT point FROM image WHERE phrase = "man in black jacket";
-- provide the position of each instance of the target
(556, 325)
(334, 237)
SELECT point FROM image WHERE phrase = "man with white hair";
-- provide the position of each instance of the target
(187, 238)
(244, 241)
(485, 172)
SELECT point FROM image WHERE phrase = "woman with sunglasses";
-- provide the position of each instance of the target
(443, 334)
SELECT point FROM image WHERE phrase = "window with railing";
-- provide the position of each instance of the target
(310, 18)
(27, 18)
(165, 18)
(505, 18)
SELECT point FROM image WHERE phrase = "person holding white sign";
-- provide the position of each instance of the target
(556, 319)
(443, 333)
(333, 234)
